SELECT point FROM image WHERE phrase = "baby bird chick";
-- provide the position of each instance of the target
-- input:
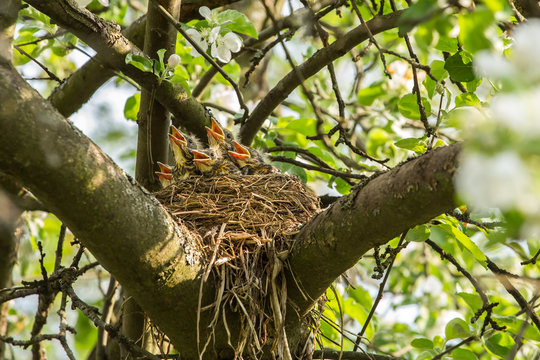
(210, 165)
(219, 139)
(249, 161)
(182, 146)
(165, 174)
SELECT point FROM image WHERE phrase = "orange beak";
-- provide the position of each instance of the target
(240, 149)
(177, 134)
(164, 175)
(214, 135)
(217, 128)
(165, 169)
(237, 156)
(200, 157)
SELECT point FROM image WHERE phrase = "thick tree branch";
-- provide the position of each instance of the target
(374, 213)
(309, 68)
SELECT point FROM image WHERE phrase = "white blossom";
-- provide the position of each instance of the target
(209, 15)
(500, 181)
(198, 39)
(526, 51)
(173, 61)
(519, 112)
(223, 46)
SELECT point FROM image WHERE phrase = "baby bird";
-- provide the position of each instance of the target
(249, 161)
(165, 174)
(219, 139)
(211, 165)
(182, 146)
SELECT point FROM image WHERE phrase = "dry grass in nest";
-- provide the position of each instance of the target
(245, 225)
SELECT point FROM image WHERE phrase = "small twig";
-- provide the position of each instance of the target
(336, 173)
(371, 37)
(50, 73)
(379, 293)
(59, 247)
(452, 348)
(531, 260)
(502, 276)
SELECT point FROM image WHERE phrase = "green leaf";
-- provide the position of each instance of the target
(160, 54)
(467, 99)
(463, 354)
(472, 29)
(422, 343)
(460, 68)
(140, 62)
(415, 14)
(238, 22)
(466, 242)
(418, 234)
(473, 300)
(499, 344)
(447, 44)
(367, 96)
(457, 328)
(408, 107)
(131, 109)
(414, 144)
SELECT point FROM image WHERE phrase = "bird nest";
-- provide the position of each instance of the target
(248, 210)
(246, 224)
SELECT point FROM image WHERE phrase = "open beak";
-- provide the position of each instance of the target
(165, 169)
(178, 135)
(213, 135)
(200, 157)
(240, 149)
(217, 128)
(237, 156)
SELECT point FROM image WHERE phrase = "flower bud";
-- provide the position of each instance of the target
(174, 61)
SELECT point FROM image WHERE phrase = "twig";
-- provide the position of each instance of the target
(50, 73)
(502, 276)
(61, 237)
(452, 348)
(532, 260)
(379, 294)
(336, 173)
(349, 355)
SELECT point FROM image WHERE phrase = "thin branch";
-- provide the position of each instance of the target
(502, 276)
(380, 292)
(50, 73)
(349, 355)
(336, 173)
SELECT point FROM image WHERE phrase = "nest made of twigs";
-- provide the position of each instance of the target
(253, 208)
(245, 226)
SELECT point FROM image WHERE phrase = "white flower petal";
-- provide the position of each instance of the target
(104, 2)
(232, 42)
(214, 34)
(205, 12)
(194, 35)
